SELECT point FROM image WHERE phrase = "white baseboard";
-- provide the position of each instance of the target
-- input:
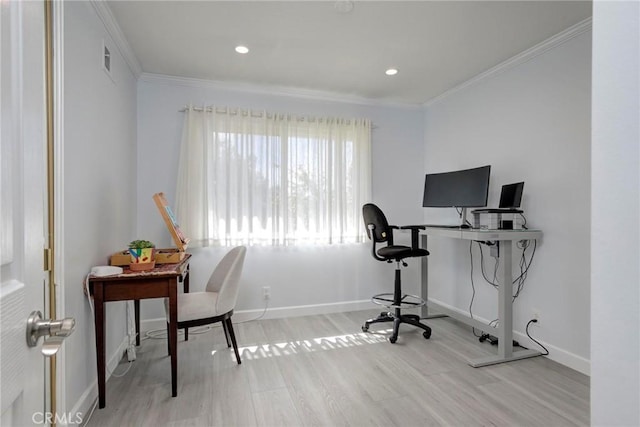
(88, 399)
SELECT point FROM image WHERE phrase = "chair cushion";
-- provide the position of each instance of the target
(195, 305)
(398, 252)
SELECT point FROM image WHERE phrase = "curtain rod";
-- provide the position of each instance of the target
(221, 110)
(255, 113)
(186, 107)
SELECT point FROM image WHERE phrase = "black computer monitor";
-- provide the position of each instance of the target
(468, 188)
(511, 195)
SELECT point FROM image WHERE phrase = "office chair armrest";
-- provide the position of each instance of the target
(415, 231)
(411, 227)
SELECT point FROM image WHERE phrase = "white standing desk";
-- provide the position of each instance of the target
(504, 331)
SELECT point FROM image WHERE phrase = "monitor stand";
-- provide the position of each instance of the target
(463, 218)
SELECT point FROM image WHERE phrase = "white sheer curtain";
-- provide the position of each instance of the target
(257, 178)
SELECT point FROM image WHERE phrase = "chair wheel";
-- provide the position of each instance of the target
(426, 334)
(365, 328)
(393, 340)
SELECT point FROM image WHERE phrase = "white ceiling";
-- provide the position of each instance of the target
(312, 45)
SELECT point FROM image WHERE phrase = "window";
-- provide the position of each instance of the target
(268, 179)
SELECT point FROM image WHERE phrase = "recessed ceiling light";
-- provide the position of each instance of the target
(242, 49)
(343, 6)
(391, 72)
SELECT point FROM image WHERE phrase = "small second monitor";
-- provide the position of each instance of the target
(511, 195)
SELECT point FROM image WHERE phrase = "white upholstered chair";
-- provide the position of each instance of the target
(218, 300)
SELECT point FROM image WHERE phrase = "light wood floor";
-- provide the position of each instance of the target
(322, 370)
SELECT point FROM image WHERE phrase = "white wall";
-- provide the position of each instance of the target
(531, 123)
(99, 152)
(615, 254)
(297, 276)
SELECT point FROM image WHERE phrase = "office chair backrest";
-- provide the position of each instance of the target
(373, 216)
(225, 279)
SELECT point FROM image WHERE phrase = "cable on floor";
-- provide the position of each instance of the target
(546, 352)
(85, 420)
(266, 305)
(113, 373)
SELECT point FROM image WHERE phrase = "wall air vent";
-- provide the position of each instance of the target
(106, 59)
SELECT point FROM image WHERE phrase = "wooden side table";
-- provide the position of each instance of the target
(161, 282)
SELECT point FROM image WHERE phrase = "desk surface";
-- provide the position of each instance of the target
(481, 233)
(161, 270)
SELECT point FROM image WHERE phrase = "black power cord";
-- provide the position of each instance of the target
(518, 281)
(494, 340)
(546, 352)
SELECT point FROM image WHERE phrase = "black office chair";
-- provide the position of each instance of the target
(379, 231)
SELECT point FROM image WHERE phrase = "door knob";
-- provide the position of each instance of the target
(55, 330)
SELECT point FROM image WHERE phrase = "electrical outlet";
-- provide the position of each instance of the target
(266, 292)
(535, 314)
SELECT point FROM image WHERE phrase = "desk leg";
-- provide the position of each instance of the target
(136, 309)
(424, 278)
(173, 336)
(98, 301)
(505, 302)
(505, 313)
(424, 283)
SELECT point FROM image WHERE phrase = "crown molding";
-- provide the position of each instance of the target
(527, 55)
(272, 90)
(112, 27)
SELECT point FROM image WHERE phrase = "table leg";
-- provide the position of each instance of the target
(136, 309)
(185, 285)
(505, 303)
(98, 301)
(185, 289)
(173, 336)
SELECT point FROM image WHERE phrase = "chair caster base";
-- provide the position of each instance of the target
(397, 319)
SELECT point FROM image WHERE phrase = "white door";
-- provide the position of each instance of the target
(23, 287)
